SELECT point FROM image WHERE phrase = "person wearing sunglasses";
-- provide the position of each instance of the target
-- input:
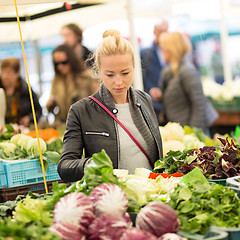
(117, 118)
(72, 82)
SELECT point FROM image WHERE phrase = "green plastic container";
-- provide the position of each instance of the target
(218, 181)
(223, 105)
(212, 234)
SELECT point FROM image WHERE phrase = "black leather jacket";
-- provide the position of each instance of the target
(90, 127)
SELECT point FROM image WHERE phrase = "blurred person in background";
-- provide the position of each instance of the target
(72, 82)
(153, 63)
(72, 35)
(217, 63)
(180, 85)
(18, 105)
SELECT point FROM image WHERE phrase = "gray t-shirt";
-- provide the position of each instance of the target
(131, 156)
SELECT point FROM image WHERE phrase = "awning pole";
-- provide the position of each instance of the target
(224, 43)
(137, 82)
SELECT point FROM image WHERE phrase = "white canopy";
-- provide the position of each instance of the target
(110, 10)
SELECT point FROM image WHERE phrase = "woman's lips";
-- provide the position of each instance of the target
(118, 89)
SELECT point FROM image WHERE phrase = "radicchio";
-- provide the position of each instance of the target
(158, 218)
(137, 234)
(107, 227)
(68, 231)
(75, 208)
(171, 236)
(109, 198)
(127, 218)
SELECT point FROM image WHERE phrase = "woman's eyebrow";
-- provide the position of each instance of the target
(126, 69)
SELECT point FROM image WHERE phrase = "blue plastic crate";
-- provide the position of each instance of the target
(3, 181)
(24, 172)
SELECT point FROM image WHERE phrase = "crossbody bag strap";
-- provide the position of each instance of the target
(130, 135)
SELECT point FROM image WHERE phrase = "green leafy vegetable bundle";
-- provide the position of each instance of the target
(201, 205)
(171, 162)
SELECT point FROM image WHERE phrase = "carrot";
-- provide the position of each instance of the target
(45, 134)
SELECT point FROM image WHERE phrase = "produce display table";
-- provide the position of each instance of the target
(228, 118)
(229, 111)
(10, 194)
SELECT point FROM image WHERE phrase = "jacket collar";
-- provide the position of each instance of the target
(107, 98)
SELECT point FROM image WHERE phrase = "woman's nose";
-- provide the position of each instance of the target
(118, 80)
(60, 66)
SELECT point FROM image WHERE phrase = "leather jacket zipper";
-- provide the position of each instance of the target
(105, 134)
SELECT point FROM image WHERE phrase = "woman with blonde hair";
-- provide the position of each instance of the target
(180, 88)
(105, 119)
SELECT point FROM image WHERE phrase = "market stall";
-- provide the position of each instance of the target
(185, 196)
(190, 182)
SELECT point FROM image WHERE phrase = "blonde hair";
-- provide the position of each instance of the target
(178, 45)
(112, 44)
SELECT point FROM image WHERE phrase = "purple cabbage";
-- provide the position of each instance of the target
(109, 198)
(137, 234)
(75, 208)
(171, 236)
(127, 218)
(68, 231)
(107, 227)
(158, 218)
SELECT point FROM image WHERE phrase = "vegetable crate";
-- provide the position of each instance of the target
(212, 234)
(218, 181)
(233, 233)
(233, 105)
(3, 181)
(234, 182)
(10, 194)
(23, 172)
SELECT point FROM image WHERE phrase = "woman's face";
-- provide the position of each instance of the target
(61, 62)
(69, 37)
(116, 72)
(9, 77)
(166, 55)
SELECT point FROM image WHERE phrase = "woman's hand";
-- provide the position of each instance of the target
(51, 103)
(156, 94)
